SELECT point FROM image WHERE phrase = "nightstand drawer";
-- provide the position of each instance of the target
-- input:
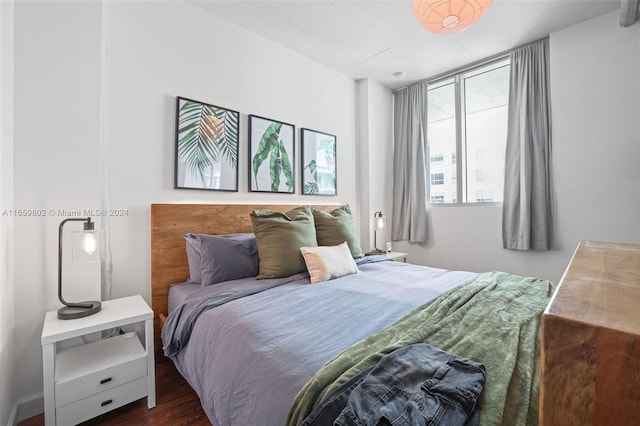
(100, 381)
(101, 403)
(95, 367)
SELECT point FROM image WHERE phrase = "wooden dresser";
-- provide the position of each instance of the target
(590, 361)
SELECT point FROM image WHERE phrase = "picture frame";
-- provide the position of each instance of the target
(207, 143)
(319, 170)
(271, 155)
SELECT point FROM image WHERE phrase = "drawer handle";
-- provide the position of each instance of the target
(107, 402)
(107, 380)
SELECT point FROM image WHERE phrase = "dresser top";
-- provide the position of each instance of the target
(601, 287)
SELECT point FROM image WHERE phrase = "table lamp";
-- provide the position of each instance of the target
(379, 225)
(85, 249)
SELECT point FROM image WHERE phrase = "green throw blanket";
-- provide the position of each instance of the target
(494, 320)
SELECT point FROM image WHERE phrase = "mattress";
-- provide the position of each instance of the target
(179, 292)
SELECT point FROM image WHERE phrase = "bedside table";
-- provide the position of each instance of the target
(88, 380)
(396, 255)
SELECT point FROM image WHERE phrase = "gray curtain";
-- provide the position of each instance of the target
(528, 214)
(629, 12)
(409, 219)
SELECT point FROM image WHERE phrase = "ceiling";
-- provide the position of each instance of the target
(377, 38)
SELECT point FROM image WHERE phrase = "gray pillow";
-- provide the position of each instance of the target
(217, 258)
(193, 258)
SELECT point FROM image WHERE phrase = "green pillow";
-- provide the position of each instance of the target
(335, 228)
(279, 237)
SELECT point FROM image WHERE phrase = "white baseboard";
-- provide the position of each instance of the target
(30, 406)
(12, 416)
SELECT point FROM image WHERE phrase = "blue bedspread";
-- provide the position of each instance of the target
(247, 347)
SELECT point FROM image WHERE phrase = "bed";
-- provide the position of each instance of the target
(274, 351)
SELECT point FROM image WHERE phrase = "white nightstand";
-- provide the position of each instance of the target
(88, 380)
(396, 255)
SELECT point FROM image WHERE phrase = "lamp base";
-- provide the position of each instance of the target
(73, 312)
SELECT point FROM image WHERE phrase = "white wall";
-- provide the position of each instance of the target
(156, 51)
(595, 98)
(375, 155)
(7, 395)
(57, 63)
(596, 130)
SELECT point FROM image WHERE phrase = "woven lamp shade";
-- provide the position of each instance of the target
(449, 16)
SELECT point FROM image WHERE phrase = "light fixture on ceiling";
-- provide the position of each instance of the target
(400, 75)
(449, 16)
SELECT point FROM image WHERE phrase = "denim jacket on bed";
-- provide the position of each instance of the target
(414, 385)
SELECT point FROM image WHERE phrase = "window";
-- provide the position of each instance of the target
(467, 122)
(438, 158)
(437, 198)
(483, 175)
(484, 196)
(437, 178)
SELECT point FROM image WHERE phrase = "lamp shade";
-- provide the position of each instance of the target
(86, 246)
(449, 16)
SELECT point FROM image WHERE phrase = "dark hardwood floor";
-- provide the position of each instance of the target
(176, 404)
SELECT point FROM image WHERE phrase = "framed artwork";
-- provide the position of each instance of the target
(318, 163)
(206, 146)
(271, 155)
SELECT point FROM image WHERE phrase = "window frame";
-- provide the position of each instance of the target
(457, 77)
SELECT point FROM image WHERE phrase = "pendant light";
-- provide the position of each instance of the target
(449, 16)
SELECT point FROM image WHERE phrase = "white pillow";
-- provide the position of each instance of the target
(329, 262)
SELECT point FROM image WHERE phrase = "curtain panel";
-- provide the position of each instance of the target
(409, 220)
(528, 214)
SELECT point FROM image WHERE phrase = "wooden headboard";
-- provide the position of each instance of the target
(169, 223)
